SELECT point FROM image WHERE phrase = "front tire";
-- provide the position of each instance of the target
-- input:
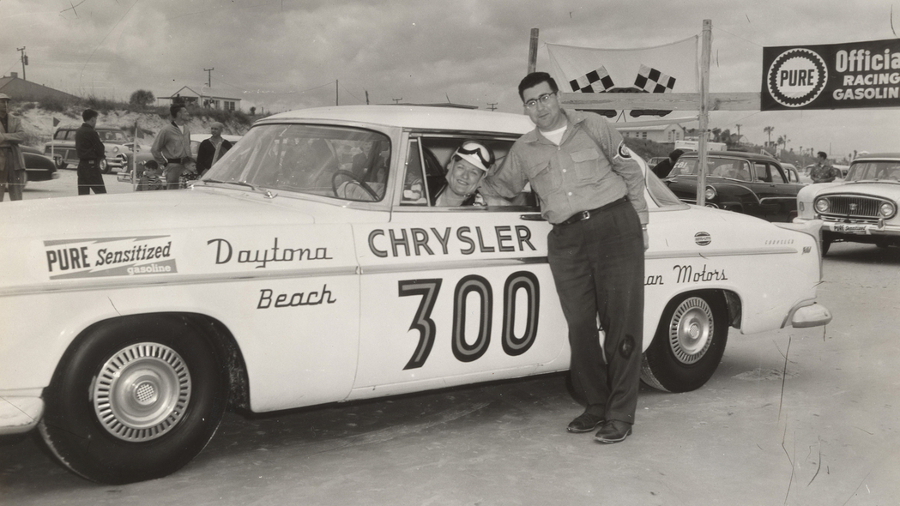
(688, 344)
(135, 399)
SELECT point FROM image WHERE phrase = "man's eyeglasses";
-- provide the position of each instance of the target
(532, 103)
(483, 153)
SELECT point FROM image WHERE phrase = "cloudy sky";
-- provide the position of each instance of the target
(291, 54)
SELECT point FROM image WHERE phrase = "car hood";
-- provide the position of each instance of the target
(56, 218)
(810, 192)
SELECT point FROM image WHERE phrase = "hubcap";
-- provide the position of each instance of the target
(142, 392)
(690, 331)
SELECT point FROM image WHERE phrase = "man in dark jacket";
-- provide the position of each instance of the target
(663, 168)
(211, 149)
(90, 152)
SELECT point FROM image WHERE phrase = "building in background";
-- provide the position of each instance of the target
(21, 90)
(211, 98)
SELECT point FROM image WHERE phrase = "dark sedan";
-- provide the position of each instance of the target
(37, 166)
(746, 183)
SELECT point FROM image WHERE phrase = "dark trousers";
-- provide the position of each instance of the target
(598, 268)
(90, 178)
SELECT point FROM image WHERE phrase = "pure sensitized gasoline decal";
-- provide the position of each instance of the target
(833, 76)
(109, 256)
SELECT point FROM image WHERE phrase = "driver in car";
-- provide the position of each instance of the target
(468, 165)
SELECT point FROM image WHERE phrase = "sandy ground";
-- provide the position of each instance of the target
(794, 417)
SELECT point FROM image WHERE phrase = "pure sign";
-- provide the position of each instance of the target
(831, 76)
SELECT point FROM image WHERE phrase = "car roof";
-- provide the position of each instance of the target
(871, 156)
(415, 117)
(98, 127)
(736, 154)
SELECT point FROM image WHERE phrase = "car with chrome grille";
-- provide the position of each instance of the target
(862, 208)
(287, 277)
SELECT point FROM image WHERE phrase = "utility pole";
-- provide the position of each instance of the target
(492, 106)
(209, 77)
(739, 130)
(397, 100)
(24, 58)
(336, 92)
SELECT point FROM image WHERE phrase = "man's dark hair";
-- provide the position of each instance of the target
(535, 78)
(174, 108)
(89, 114)
(675, 155)
(822, 154)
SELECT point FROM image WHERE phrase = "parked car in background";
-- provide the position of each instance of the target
(794, 175)
(37, 166)
(862, 208)
(738, 181)
(267, 287)
(62, 147)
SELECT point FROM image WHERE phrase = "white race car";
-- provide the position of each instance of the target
(308, 267)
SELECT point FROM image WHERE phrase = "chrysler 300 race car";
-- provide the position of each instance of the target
(287, 277)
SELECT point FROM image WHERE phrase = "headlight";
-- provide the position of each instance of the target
(710, 193)
(822, 205)
(887, 209)
(115, 149)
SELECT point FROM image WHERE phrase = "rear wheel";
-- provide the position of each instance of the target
(135, 399)
(688, 344)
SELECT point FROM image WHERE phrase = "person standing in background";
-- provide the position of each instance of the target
(12, 161)
(172, 146)
(823, 172)
(91, 152)
(212, 149)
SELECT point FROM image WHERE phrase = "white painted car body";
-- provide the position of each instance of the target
(324, 298)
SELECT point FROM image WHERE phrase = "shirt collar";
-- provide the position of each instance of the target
(572, 118)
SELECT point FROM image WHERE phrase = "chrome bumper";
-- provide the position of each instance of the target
(810, 315)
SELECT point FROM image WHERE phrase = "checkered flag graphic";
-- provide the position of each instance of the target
(595, 81)
(653, 81)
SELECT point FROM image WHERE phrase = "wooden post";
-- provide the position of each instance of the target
(705, 51)
(532, 50)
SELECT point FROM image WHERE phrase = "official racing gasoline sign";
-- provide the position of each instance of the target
(832, 76)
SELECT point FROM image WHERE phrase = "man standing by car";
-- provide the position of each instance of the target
(823, 172)
(12, 161)
(592, 191)
(91, 152)
(211, 149)
(172, 146)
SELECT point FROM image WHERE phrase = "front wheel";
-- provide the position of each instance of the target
(688, 344)
(134, 399)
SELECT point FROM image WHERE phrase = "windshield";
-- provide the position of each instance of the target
(116, 136)
(884, 170)
(716, 167)
(329, 161)
(660, 193)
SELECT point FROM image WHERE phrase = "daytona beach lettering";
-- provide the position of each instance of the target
(275, 254)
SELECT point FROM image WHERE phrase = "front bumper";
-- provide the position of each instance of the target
(806, 314)
(860, 229)
(19, 413)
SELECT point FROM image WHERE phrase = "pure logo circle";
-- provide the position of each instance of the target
(796, 77)
(702, 238)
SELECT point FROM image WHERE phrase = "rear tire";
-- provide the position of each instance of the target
(688, 344)
(135, 399)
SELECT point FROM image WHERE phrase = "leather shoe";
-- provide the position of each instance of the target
(613, 431)
(585, 422)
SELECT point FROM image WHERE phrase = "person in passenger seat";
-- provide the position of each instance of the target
(468, 165)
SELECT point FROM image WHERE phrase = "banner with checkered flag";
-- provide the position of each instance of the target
(653, 81)
(595, 81)
(593, 70)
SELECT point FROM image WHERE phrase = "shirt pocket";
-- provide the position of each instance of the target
(586, 164)
(544, 179)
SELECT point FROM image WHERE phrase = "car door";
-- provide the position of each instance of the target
(777, 197)
(453, 295)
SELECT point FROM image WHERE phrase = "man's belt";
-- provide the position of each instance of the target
(586, 215)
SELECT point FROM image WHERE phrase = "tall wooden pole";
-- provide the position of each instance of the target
(705, 51)
(532, 50)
